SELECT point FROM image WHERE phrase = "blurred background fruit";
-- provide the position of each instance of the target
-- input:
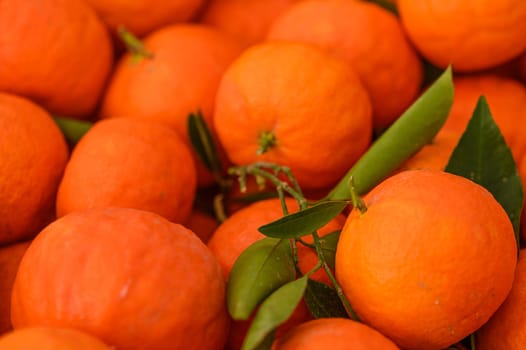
(181, 77)
(34, 154)
(56, 53)
(144, 16)
(246, 20)
(469, 34)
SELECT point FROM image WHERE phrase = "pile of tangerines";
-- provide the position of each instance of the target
(109, 240)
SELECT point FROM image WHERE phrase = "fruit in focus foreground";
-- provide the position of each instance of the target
(129, 277)
(430, 260)
(295, 105)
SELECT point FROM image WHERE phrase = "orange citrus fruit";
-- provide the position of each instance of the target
(129, 163)
(297, 105)
(435, 155)
(50, 338)
(129, 277)
(367, 36)
(246, 20)
(469, 34)
(202, 224)
(180, 78)
(430, 261)
(333, 334)
(10, 256)
(34, 154)
(506, 329)
(144, 16)
(55, 52)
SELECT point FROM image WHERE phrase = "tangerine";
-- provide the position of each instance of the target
(297, 105)
(34, 154)
(127, 276)
(159, 176)
(469, 34)
(57, 53)
(367, 36)
(417, 265)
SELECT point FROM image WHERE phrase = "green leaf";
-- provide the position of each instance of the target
(328, 246)
(262, 268)
(202, 142)
(305, 221)
(323, 301)
(415, 128)
(483, 156)
(274, 311)
(72, 129)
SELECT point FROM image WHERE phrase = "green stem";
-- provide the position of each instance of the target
(259, 169)
(472, 341)
(345, 302)
(133, 44)
(302, 242)
(219, 208)
(357, 201)
(286, 170)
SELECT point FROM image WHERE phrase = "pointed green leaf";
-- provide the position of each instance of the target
(483, 156)
(202, 142)
(262, 268)
(416, 127)
(304, 222)
(328, 246)
(323, 301)
(274, 311)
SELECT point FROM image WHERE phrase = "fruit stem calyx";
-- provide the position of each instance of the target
(266, 141)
